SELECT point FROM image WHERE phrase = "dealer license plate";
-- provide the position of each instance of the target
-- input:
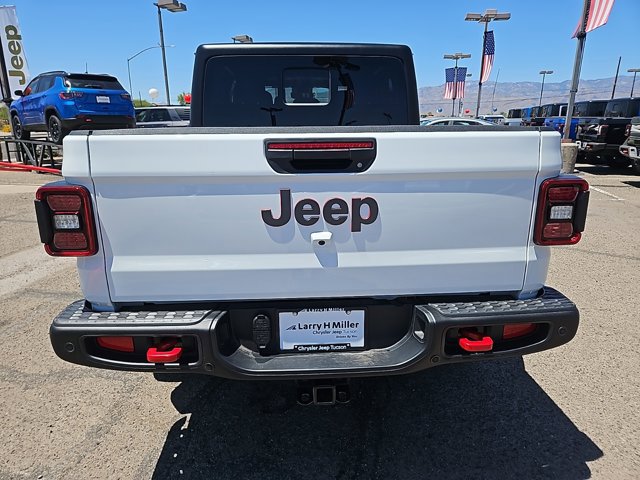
(322, 330)
(102, 99)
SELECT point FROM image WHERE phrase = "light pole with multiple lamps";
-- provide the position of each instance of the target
(456, 57)
(134, 56)
(633, 84)
(173, 6)
(486, 17)
(544, 73)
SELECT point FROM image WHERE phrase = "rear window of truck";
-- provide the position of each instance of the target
(271, 90)
(622, 108)
(589, 109)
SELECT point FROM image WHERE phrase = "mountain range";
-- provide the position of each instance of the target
(521, 94)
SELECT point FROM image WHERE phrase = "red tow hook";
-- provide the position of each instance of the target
(472, 341)
(167, 351)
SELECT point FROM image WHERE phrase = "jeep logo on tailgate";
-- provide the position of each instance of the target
(335, 211)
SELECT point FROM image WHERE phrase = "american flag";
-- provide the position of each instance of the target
(597, 15)
(487, 57)
(454, 89)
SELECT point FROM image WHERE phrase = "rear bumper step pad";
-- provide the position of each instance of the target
(423, 346)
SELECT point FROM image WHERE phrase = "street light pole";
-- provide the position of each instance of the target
(456, 57)
(172, 6)
(488, 16)
(134, 56)
(633, 84)
(164, 56)
(544, 73)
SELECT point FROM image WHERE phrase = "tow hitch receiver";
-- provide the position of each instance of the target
(473, 341)
(323, 392)
(167, 351)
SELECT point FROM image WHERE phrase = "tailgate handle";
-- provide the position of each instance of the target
(320, 156)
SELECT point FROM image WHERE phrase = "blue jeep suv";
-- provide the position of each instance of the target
(58, 102)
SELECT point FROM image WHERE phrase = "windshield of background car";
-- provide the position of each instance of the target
(271, 90)
(153, 115)
(101, 82)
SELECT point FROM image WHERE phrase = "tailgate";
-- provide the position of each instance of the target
(185, 216)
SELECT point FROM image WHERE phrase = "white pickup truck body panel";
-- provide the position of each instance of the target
(179, 217)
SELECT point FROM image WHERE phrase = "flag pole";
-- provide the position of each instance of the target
(484, 44)
(455, 88)
(582, 37)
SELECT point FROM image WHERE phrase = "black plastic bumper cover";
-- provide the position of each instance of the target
(422, 347)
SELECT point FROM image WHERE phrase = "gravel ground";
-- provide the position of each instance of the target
(568, 413)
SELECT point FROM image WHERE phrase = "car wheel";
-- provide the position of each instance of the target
(56, 130)
(18, 131)
(636, 166)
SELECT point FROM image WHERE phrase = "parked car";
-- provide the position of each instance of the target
(449, 121)
(584, 113)
(163, 116)
(495, 119)
(600, 141)
(58, 102)
(631, 147)
(554, 115)
(514, 117)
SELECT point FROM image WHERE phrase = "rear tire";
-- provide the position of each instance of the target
(18, 130)
(55, 129)
(636, 166)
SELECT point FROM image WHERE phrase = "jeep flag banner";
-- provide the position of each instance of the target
(14, 69)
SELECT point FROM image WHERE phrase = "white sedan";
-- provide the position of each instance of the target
(448, 121)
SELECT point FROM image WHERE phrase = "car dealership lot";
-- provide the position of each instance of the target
(565, 413)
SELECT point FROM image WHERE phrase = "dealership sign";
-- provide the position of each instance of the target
(14, 69)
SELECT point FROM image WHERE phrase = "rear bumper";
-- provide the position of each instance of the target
(629, 151)
(592, 147)
(98, 122)
(426, 342)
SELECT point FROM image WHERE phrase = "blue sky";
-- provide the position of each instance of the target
(64, 34)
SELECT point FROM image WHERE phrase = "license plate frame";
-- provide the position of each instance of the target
(322, 330)
(103, 99)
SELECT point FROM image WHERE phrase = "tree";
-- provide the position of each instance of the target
(184, 98)
(141, 103)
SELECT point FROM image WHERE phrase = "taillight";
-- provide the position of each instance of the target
(70, 95)
(562, 211)
(65, 221)
(627, 130)
(602, 129)
(125, 96)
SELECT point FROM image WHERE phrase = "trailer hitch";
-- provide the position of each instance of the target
(323, 392)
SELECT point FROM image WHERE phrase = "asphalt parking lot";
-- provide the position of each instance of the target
(569, 413)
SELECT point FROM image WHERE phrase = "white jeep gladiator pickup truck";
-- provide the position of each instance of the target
(306, 227)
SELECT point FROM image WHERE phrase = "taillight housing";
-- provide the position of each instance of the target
(627, 131)
(602, 129)
(65, 221)
(125, 96)
(70, 95)
(562, 211)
